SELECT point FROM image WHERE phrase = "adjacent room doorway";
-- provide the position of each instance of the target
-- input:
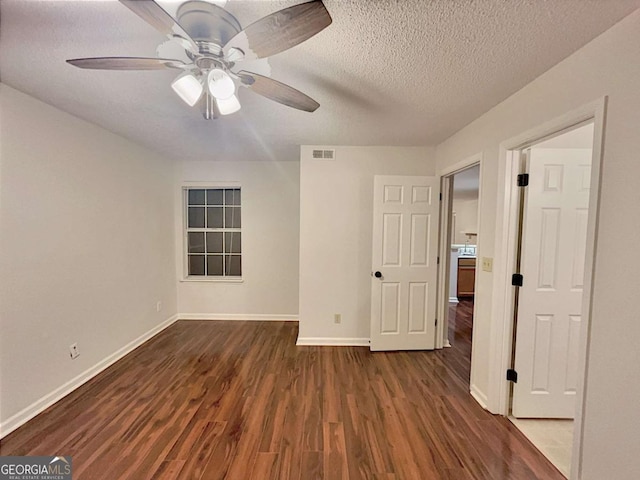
(460, 262)
(554, 183)
(462, 253)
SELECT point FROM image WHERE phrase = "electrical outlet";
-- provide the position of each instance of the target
(337, 318)
(158, 306)
(73, 351)
(487, 264)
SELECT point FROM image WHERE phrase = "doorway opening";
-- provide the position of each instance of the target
(459, 234)
(554, 186)
(465, 186)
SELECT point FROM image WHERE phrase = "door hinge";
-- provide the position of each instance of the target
(516, 280)
(523, 179)
(436, 322)
(438, 262)
(440, 196)
(512, 375)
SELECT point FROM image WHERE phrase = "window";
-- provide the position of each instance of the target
(213, 236)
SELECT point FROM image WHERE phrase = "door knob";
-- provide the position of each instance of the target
(377, 275)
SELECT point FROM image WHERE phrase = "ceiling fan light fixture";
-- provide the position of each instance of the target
(227, 106)
(221, 85)
(188, 88)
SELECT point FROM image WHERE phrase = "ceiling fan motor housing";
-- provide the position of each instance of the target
(207, 24)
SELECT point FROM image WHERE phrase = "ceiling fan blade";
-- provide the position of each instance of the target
(281, 30)
(158, 18)
(260, 66)
(278, 92)
(126, 63)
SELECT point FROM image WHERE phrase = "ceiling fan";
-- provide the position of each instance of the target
(215, 54)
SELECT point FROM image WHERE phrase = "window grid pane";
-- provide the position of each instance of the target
(214, 266)
(196, 197)
(232, 242)
(232, 217)
(196, 242)
(196, 265)
(214, 242)
(232, 197)
(215, 197)
(215, 217)
(196, 217)
(232, 265)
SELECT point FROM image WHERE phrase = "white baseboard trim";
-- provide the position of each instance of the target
(480, 397)
(45, 402)
(331, 341)
(453, 300)
(238, 316)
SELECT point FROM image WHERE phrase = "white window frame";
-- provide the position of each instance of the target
(185, 240)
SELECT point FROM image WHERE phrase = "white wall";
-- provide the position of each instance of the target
(270, 241)
(609, 65)
(466, 211)
(336, 222)
(86, 228)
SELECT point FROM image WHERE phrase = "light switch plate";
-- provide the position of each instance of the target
(487, 264)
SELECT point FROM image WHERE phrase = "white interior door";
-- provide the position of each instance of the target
(550, 300)
(405, 249)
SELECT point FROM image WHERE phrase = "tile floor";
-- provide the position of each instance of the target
(554, 438)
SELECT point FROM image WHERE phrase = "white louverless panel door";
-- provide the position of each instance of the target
(405, 249)
(550, 300)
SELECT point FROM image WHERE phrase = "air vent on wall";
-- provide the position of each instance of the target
(324, 154)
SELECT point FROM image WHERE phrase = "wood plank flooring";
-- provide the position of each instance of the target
(238, 400)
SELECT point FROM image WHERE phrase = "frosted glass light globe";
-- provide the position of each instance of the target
(228, 106)
(220, 83)
(189, 88)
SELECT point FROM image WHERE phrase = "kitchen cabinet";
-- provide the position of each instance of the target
(466, 276)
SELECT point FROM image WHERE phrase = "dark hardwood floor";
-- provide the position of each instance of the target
(460, 327)
(238, 400)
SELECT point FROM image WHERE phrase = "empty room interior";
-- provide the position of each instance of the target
(325, 239)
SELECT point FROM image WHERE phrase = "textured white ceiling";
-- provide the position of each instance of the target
(386, 72)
